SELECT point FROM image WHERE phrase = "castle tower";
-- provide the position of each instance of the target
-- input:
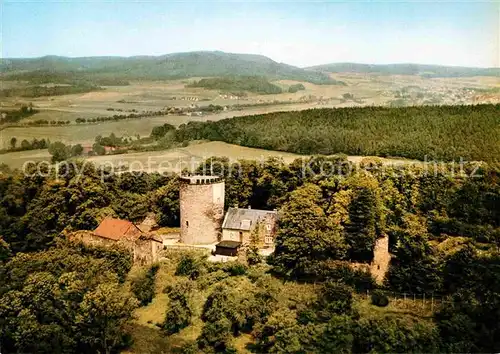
(202, 209)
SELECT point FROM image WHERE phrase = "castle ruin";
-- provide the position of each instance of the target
(201, 209)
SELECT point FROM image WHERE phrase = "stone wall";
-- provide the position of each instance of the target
(144, 250)
(88, 238)
(236, 235)
(202, 211)
(379, 265)
(381, 259)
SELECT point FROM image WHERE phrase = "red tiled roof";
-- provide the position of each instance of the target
(115, 229)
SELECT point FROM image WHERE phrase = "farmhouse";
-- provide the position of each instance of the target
(109, 149)
(87, 149)
(144, 247)
(250, 226)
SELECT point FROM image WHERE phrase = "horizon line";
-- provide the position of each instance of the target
(254, 54)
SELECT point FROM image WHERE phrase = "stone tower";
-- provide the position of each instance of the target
(202, 209)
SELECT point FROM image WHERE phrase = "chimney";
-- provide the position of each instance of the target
(249, 207)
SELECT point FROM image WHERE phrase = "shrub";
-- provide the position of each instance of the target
(237, 269)
(179, 290)
(211, 278)
(379, 299)
(231, 268)
(190, 348)
(341, 271)
(177, 318)
(216, 334)
(443, 225)
(394, 335)
(189, 266)
(119, 259)
(336, 298)
(179, 314)
(253, 256)
(143, 286)
(257, 272)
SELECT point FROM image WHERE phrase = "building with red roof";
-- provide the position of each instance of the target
(116, 232)
(117, 229)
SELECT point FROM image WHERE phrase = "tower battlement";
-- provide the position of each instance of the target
(201, 179)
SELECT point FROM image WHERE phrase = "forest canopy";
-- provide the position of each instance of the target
(446, 133)
(443, 232)
(40, 91)
(236, 84)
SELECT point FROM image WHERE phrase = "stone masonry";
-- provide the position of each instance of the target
(381, 259)
(201, 209)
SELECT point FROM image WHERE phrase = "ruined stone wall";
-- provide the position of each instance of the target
(202, 211)
(379, 265)
(146, 251)
(88, 238)
(268, 230)
(381, 259)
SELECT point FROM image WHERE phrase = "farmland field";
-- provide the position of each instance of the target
(174, 160)
(17, 159)
(171, 160)
(364, 89)
(86, 133)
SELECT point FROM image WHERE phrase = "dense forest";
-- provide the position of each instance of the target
(41, 77)
(41, 83)
(41, 91)
(238, 84)
(446, 133)
(296, 87)
(443, 227)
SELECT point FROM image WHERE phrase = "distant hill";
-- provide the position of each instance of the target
(238, 84)
(407, 69)
(170, 66)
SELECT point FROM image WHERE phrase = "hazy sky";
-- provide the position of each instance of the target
(297, 33)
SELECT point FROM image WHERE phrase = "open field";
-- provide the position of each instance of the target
(174, 160)
(171, 160)
(155, 95)
(86, 133)
(366, 89)
(17, 159)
